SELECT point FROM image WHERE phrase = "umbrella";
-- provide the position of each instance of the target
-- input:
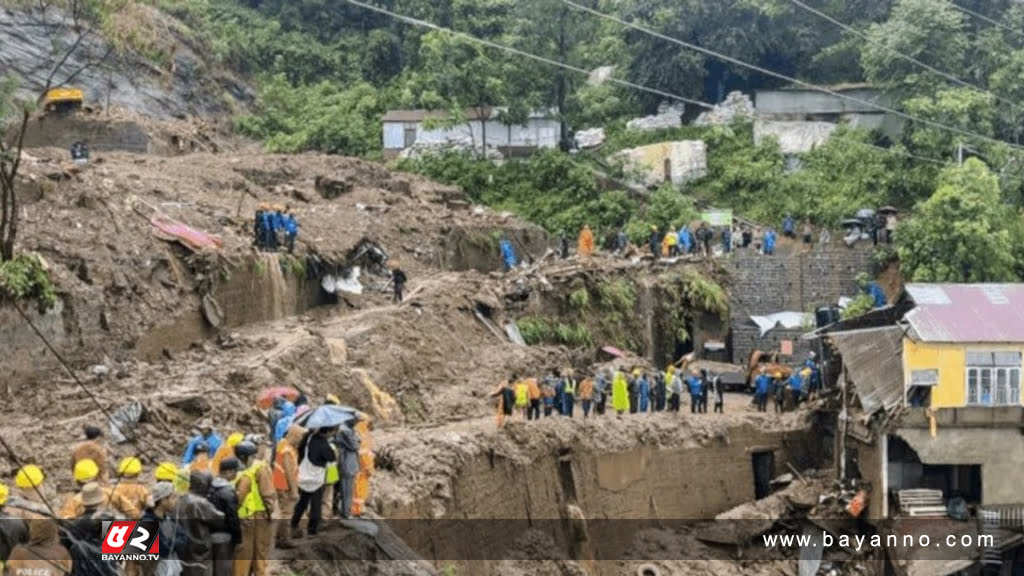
(852, 223)
(266, 398)
(614, 351)
(887, 210)
(329, 416)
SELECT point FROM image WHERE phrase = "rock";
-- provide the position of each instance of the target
(591, 138)
(400, 185)
(736, 106)
(212, 311)
(668, 116)
(100, 370)
(331, 187)
(338, 351)
(301, 196)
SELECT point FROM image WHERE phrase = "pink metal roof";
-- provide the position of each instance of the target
(967, 312)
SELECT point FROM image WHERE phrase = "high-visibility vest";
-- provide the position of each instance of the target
(570, 387)
(281, 482)
(253, 503)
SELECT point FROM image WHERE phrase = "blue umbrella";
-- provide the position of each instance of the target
(329, 416)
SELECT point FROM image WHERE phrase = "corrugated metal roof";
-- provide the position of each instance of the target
(469, 113)
(873, 359)
(967, 312)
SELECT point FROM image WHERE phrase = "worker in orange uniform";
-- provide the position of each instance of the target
(257, 502)
(586, 395)
(226, 450)
(533, 392)
(586, 243)
(86, 472)
(286, 477)
(201, 458)
(91, 449)
(128, 485)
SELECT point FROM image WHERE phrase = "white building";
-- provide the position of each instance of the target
(404, 129)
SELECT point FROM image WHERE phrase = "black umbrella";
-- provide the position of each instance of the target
(853, 223)
(887, 210)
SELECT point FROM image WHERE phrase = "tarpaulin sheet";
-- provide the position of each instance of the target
(190, 237)
(788, 320)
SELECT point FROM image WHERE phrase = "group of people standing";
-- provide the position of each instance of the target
(274, 227)
(214, 509)
(804, 382)
(636, 392)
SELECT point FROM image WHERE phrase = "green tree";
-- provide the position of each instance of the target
(962, 233)
(962, 108)
(931, 31)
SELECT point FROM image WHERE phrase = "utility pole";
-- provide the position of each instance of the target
(960, 153)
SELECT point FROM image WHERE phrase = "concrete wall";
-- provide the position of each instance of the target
(686, 159)
(789, 281)
(537, 133)
(795, 137)
(813, 102)
(999, 451)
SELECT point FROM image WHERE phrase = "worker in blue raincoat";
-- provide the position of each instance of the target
(291, 229)
(769, 242)
(796, 384)
(643, 389)
(508, 255)
(284, 421)
(268, 230)
(685, 240)
(762, 386)
(694, 384)
(207, 435)
(877, 294)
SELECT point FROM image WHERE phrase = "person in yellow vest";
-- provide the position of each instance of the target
(169, 472)
(586, 242)
(201, 458)
(226, 450)
(522, 391)
(86, 472)
(286, 477)
(257, 502)
(569, 393)
(128, 485)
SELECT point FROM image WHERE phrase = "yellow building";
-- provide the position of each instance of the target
(963, 345)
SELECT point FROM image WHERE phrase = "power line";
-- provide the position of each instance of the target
(642, 88)
(906, 57)
(987, 19)
(524, 54)
(781, 76)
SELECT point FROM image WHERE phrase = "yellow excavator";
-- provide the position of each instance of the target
(63, 100)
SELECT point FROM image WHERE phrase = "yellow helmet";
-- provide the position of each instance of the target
(235, 438)
(778, 374)
(332, 399)
(4, 493)
(166, 471)
(805, 372)
(29, 476)
(130, 466)
(86, 471)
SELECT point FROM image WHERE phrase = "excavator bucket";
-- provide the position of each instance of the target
(63, 100)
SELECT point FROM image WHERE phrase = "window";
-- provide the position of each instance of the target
(993, 378)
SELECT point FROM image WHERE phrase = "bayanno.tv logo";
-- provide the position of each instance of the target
(130, 540)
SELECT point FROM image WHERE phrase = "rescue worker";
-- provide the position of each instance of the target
(226, 450)
(316, 448)
(796, 384)
(268, 230)
(694, 385)
(398, 279)
(534, 394)
(655, 242)
(279, 233)
(631, 389)
(601, 383)
(506, 400)
(676, 388)
(620, 393)
(91, 449)
(258, 236)
(761, 387)
(508, 254)
(779, 392)
(659, 392)
(348, 443)
(82, 536)
(718, 390)
(586, 242)
(586, 394)
(160, 509)
(685, 240)
(286, 476)
(672, 243)
(42, 555)
(86, 473)
(29, 481)
(284, 420)
(255, 489)
(563, 244)
(128, 486)
(548, 395)
(207, 435)
(643, 391)
(727, 239)
(291, 229)
(621, 242)
(197, 516)
(169, 472)
(522, 396)
(14, 531)
(569, 393)
(789, 226)
(769, 242)
(223, 497)
(201, 458)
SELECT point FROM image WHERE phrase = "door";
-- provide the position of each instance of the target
(764, 471)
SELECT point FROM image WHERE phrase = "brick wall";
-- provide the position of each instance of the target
(791, 280)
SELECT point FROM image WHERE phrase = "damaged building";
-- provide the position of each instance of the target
(931, 418)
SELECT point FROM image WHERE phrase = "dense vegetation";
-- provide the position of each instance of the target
(328, 70)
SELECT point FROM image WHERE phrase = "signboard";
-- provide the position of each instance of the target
(717, 217)
(786, 347)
